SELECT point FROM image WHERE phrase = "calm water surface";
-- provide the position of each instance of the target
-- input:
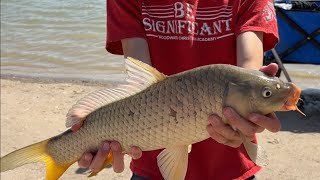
(59, 39)
(66, 39)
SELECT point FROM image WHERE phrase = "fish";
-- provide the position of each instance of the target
(154, 111)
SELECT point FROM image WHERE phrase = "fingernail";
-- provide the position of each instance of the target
(87, 157)
(135, 150)
(115, 147)
(252, 117)
(213, 122)
(106, 147)
(212, 119)
(227, 110)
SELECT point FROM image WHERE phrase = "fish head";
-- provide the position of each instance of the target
(257, 92)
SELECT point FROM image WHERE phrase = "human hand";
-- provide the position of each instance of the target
(225, 134)
(95, 162)
(256, 123)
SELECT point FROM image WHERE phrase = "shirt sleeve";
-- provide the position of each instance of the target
(124, 20)
(258, 15)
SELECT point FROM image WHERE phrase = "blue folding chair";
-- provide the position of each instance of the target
(299, 32)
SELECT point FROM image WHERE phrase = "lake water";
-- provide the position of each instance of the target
(56, 39)
(66, 39)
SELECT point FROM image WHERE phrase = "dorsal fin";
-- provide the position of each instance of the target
(140, 77)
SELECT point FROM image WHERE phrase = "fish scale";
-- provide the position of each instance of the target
(167, 113)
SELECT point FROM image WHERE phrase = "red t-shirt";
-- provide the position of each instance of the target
(185, 34)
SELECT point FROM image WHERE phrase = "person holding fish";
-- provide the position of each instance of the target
(190, 107)
(203, 117)
(174, 36)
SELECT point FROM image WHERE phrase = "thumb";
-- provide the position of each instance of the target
(135, 152)
(270, 69)
(77, 126)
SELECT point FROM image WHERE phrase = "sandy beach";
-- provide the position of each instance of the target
(34, 110)
(66, 40)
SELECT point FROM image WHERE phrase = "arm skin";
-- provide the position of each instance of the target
(249, 55)
(136, 48)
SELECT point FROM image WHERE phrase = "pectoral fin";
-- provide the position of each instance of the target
(256, 153)
(173, 162)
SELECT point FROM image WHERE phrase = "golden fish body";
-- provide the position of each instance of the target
(154, 112)
(169, 113)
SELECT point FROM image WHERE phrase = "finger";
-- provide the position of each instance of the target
(118, 157)
(85, 160)
(135, 152)
(271, 69)
(216, 136)
(223, 129)
(260, 129)
(245, 126)
(100, 157)
(234, 144)
(270, 121)
(250, 138)
(77, 126)
(222, 140)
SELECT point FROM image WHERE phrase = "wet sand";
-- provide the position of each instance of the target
(34, 110)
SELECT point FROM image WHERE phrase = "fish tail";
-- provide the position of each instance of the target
(255, 152)
(31, 154)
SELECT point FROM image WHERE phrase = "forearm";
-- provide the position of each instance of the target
(136, 48)
(250, 50)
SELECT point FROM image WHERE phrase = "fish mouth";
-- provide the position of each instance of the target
(292, 100)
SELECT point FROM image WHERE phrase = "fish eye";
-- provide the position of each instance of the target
(266, 92)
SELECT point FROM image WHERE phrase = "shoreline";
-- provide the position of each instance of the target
(297, 72)
(47, 80)
(35, 109)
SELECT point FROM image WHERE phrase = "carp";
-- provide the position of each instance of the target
(154, 111)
